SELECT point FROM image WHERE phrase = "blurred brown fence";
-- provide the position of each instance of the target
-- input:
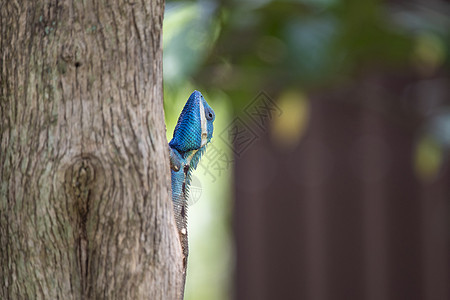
(345, 214)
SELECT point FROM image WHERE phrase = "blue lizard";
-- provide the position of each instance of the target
(192, 133)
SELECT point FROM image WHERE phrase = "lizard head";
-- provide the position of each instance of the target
(194, 128)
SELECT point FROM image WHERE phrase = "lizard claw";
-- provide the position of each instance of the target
(175, 159)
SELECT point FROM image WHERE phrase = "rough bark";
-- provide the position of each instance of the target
(85, 210)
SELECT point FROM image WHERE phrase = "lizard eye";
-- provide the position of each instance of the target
(209, 113)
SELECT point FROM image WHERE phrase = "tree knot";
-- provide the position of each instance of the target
(82, 180)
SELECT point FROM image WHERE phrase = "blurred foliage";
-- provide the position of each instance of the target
(243, 47)
(288, 128)
(427, 159)
(230, 50)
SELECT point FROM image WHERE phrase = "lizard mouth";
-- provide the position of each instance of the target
(204, 135)
(204, 138)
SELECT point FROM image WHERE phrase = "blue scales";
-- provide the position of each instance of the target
(192, 133)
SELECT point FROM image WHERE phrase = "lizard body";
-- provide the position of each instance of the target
(192, 133)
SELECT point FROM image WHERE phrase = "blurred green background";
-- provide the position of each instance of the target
(232, 50)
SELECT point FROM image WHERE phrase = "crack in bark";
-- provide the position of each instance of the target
(82, 173)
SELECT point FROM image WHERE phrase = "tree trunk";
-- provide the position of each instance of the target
(85, 209)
